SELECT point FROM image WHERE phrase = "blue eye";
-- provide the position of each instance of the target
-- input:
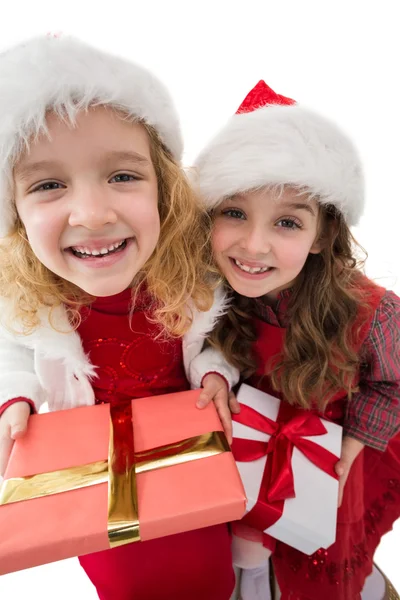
(124, 178)
(234, 213)
(289, 224)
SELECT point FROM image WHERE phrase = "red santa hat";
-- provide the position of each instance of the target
(273, 141)
(65, 75)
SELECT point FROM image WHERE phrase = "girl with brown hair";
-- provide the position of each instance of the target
(283, 186)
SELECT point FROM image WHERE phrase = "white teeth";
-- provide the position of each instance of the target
(102, 251)
(251, 270)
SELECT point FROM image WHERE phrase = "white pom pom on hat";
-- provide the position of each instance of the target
(64, 74)
(273, 141)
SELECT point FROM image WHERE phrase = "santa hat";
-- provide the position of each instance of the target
(273, 141)
(66, 75)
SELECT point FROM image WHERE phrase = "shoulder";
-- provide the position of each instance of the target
(388, 309)
(203, 322)
(384, 329)
(53, 323)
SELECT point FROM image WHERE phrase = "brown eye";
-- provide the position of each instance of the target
(234, 213)
(289, 224)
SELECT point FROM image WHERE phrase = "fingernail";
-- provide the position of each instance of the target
(16, 432)
(200, 404)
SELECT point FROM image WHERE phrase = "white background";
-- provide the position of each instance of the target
(340, 57)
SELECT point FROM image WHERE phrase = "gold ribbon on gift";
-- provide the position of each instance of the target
(119, 471)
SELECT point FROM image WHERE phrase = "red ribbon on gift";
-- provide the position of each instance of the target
(277, 484)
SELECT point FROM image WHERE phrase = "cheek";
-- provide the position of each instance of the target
(146, 219)
(222, 238)
(43, 224)
(293, 253)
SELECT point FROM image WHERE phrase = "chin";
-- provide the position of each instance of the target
(257, 294)
(102, 290)
(246, 290)
(253, 293)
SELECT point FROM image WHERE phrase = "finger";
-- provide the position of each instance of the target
(342, 485)
(18, 431)
(18, 428)
(18, 423)
(226, 420)
(233, 403)
(206, 396)
(340, 468)
(224, 413)
(340, 496)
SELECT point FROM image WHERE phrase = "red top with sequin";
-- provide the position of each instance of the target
(130, 362)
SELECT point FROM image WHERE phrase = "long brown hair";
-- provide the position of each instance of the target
(178, 270)
(318, 357)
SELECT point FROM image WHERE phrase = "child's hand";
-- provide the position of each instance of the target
(215, 388)
(13, 423)
(351, 448)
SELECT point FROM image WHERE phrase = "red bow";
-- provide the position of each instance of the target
(277, 484)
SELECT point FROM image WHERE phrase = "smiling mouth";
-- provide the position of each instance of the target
(85, 253)
(252, 270)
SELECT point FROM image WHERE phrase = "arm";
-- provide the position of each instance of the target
(373, 415)
(20, 394)
(197, 363)
(212, 361)
(17, 374)
(13, 424)
(210, 371)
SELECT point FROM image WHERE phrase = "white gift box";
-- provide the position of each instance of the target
(308, 521)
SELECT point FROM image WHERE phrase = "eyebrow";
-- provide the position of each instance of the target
(126, 156)
(29, 169)
(300, 206)
(294, 205)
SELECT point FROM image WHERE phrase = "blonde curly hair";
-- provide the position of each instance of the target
(176, 276)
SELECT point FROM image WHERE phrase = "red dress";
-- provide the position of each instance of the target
(193, 565)
(371, 501)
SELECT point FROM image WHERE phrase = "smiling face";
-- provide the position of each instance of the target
(88, 199)
(261, 240)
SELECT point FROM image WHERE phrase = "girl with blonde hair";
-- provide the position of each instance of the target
(103, 269)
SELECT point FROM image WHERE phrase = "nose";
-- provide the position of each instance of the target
(255, 240)
(91, 208)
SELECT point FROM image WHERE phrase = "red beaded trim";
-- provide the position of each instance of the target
(318, 566)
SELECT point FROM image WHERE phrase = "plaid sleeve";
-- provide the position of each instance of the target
(373, 415)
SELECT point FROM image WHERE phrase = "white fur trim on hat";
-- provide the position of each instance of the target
(277, 145)
(66, 75)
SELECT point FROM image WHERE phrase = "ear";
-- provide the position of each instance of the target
(327, 231)
(317, 246)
